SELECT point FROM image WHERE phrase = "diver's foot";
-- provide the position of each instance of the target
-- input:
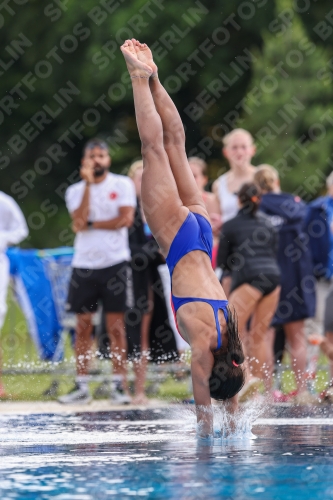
(136, 68)
(145, 55)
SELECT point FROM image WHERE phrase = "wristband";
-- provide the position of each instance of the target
(90, 224)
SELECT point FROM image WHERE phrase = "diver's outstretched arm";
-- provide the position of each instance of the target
(201, 368)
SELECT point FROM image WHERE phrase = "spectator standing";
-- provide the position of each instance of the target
(298, 297)
(248, 248)
(199, 169)
(144, 252)
(326, 344)
(102, 208)
(320, 225)
(238, 149)
(13, 229)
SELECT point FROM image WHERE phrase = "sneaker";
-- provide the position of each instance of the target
(76, 396)
(118, 396)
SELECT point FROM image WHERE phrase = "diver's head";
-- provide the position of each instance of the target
(228, 376)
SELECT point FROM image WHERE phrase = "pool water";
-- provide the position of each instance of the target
(155, 454)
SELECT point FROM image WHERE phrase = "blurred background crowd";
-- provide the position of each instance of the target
(271, 249)
(253, 78)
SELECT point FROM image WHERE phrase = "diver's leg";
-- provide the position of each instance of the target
(161, 203)
(173, 136)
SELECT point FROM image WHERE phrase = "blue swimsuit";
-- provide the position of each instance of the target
(194, 234)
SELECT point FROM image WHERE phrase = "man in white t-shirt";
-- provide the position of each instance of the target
(13, 229)
(102, 208)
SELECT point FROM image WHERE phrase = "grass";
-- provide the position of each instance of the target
(174, 389)
(19, 352)
(31, 387)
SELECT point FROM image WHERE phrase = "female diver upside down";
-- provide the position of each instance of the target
(178, 219)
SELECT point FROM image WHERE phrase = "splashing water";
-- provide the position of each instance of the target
(238, 425)
(227, 425)
(155, 454)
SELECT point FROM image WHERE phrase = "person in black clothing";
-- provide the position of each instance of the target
(248, 246)
(143, 297)
(298, 295)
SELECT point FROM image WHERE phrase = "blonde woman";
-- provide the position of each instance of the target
(298, 298)
(238, 149)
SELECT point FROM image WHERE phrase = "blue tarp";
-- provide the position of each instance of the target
(37, 295)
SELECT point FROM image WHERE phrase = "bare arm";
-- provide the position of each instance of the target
(215, 190)
(124, 219)
(201, 369)
(80, 215)
(214, 212)
(213, 204)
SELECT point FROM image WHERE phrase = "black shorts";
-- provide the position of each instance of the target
(265, 283)
(141, 283)
(88, 287)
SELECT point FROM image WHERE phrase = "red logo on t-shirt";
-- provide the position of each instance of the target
(297, 199)
(113, 195)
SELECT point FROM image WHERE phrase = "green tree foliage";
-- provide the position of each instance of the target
(318, 20)
(289, 107)
(64, 80)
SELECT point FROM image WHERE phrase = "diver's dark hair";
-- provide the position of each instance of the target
(249, 196)
(96, 142)
(228, 376)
